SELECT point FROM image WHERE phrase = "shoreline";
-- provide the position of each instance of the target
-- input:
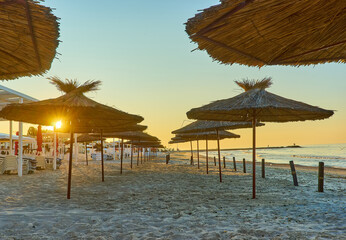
(334, 171)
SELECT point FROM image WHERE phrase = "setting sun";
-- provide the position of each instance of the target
(58, 125)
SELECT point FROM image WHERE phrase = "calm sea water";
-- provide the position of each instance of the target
(333, 155)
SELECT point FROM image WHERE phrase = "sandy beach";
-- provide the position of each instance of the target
(174, 201)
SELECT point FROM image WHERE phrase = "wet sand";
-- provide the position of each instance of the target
(174, 201)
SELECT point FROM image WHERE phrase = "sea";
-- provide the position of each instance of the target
(333, 155)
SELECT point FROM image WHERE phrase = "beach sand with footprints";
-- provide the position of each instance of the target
(174, 201)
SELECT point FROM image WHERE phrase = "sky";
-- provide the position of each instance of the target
(142, 54)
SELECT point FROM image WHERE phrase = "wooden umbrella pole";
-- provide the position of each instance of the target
(70, 165)
(102, 164)
(137, 156)
(131, 154)
(218, 150)
(197, 154)
(254, 154)
(141, 155)
(86, 153)
(206, 153)
(144, 154)
(122, 156)
(191, 153)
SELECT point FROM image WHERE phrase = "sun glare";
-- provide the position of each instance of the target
(58, 125)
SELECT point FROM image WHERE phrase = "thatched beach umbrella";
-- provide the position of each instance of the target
(73, 109)
(203, 126)
(86, 138)
(129, 135)
(211, 135)
(257, 104)
(288, 32)
(28, 38)
(149, 141)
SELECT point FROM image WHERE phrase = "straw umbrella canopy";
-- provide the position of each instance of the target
(257, 104)
(173, 141)
(145, 141)
(85, 138)
(105, 126)
(202, 126)
(129, 135)
(210, 135)
(73, 108)
(288, 32)
(28, 38)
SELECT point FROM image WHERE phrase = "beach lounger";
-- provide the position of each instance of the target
(1, 165)
(40, 162)
(10, 163)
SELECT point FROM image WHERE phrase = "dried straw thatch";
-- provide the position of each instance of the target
(131, 135)
(178, 138)
(145, 143)
(177, 141)
(73, 106)
(210, 135)
(149, 139)
(268, 107)
(96, 126)
(202, 126)
(84, 138)
(271, 32)
(28, 38)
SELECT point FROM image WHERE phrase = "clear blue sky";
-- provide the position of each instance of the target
(141, 53)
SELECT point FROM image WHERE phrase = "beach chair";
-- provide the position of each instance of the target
(40, 162)
(1, 165)
(9, 164)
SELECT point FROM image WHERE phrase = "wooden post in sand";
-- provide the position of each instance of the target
(263, 168)
(224, 162)
(215, 161)
(234, 164)
(244, 165)
(320, 176)
(294, 175)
